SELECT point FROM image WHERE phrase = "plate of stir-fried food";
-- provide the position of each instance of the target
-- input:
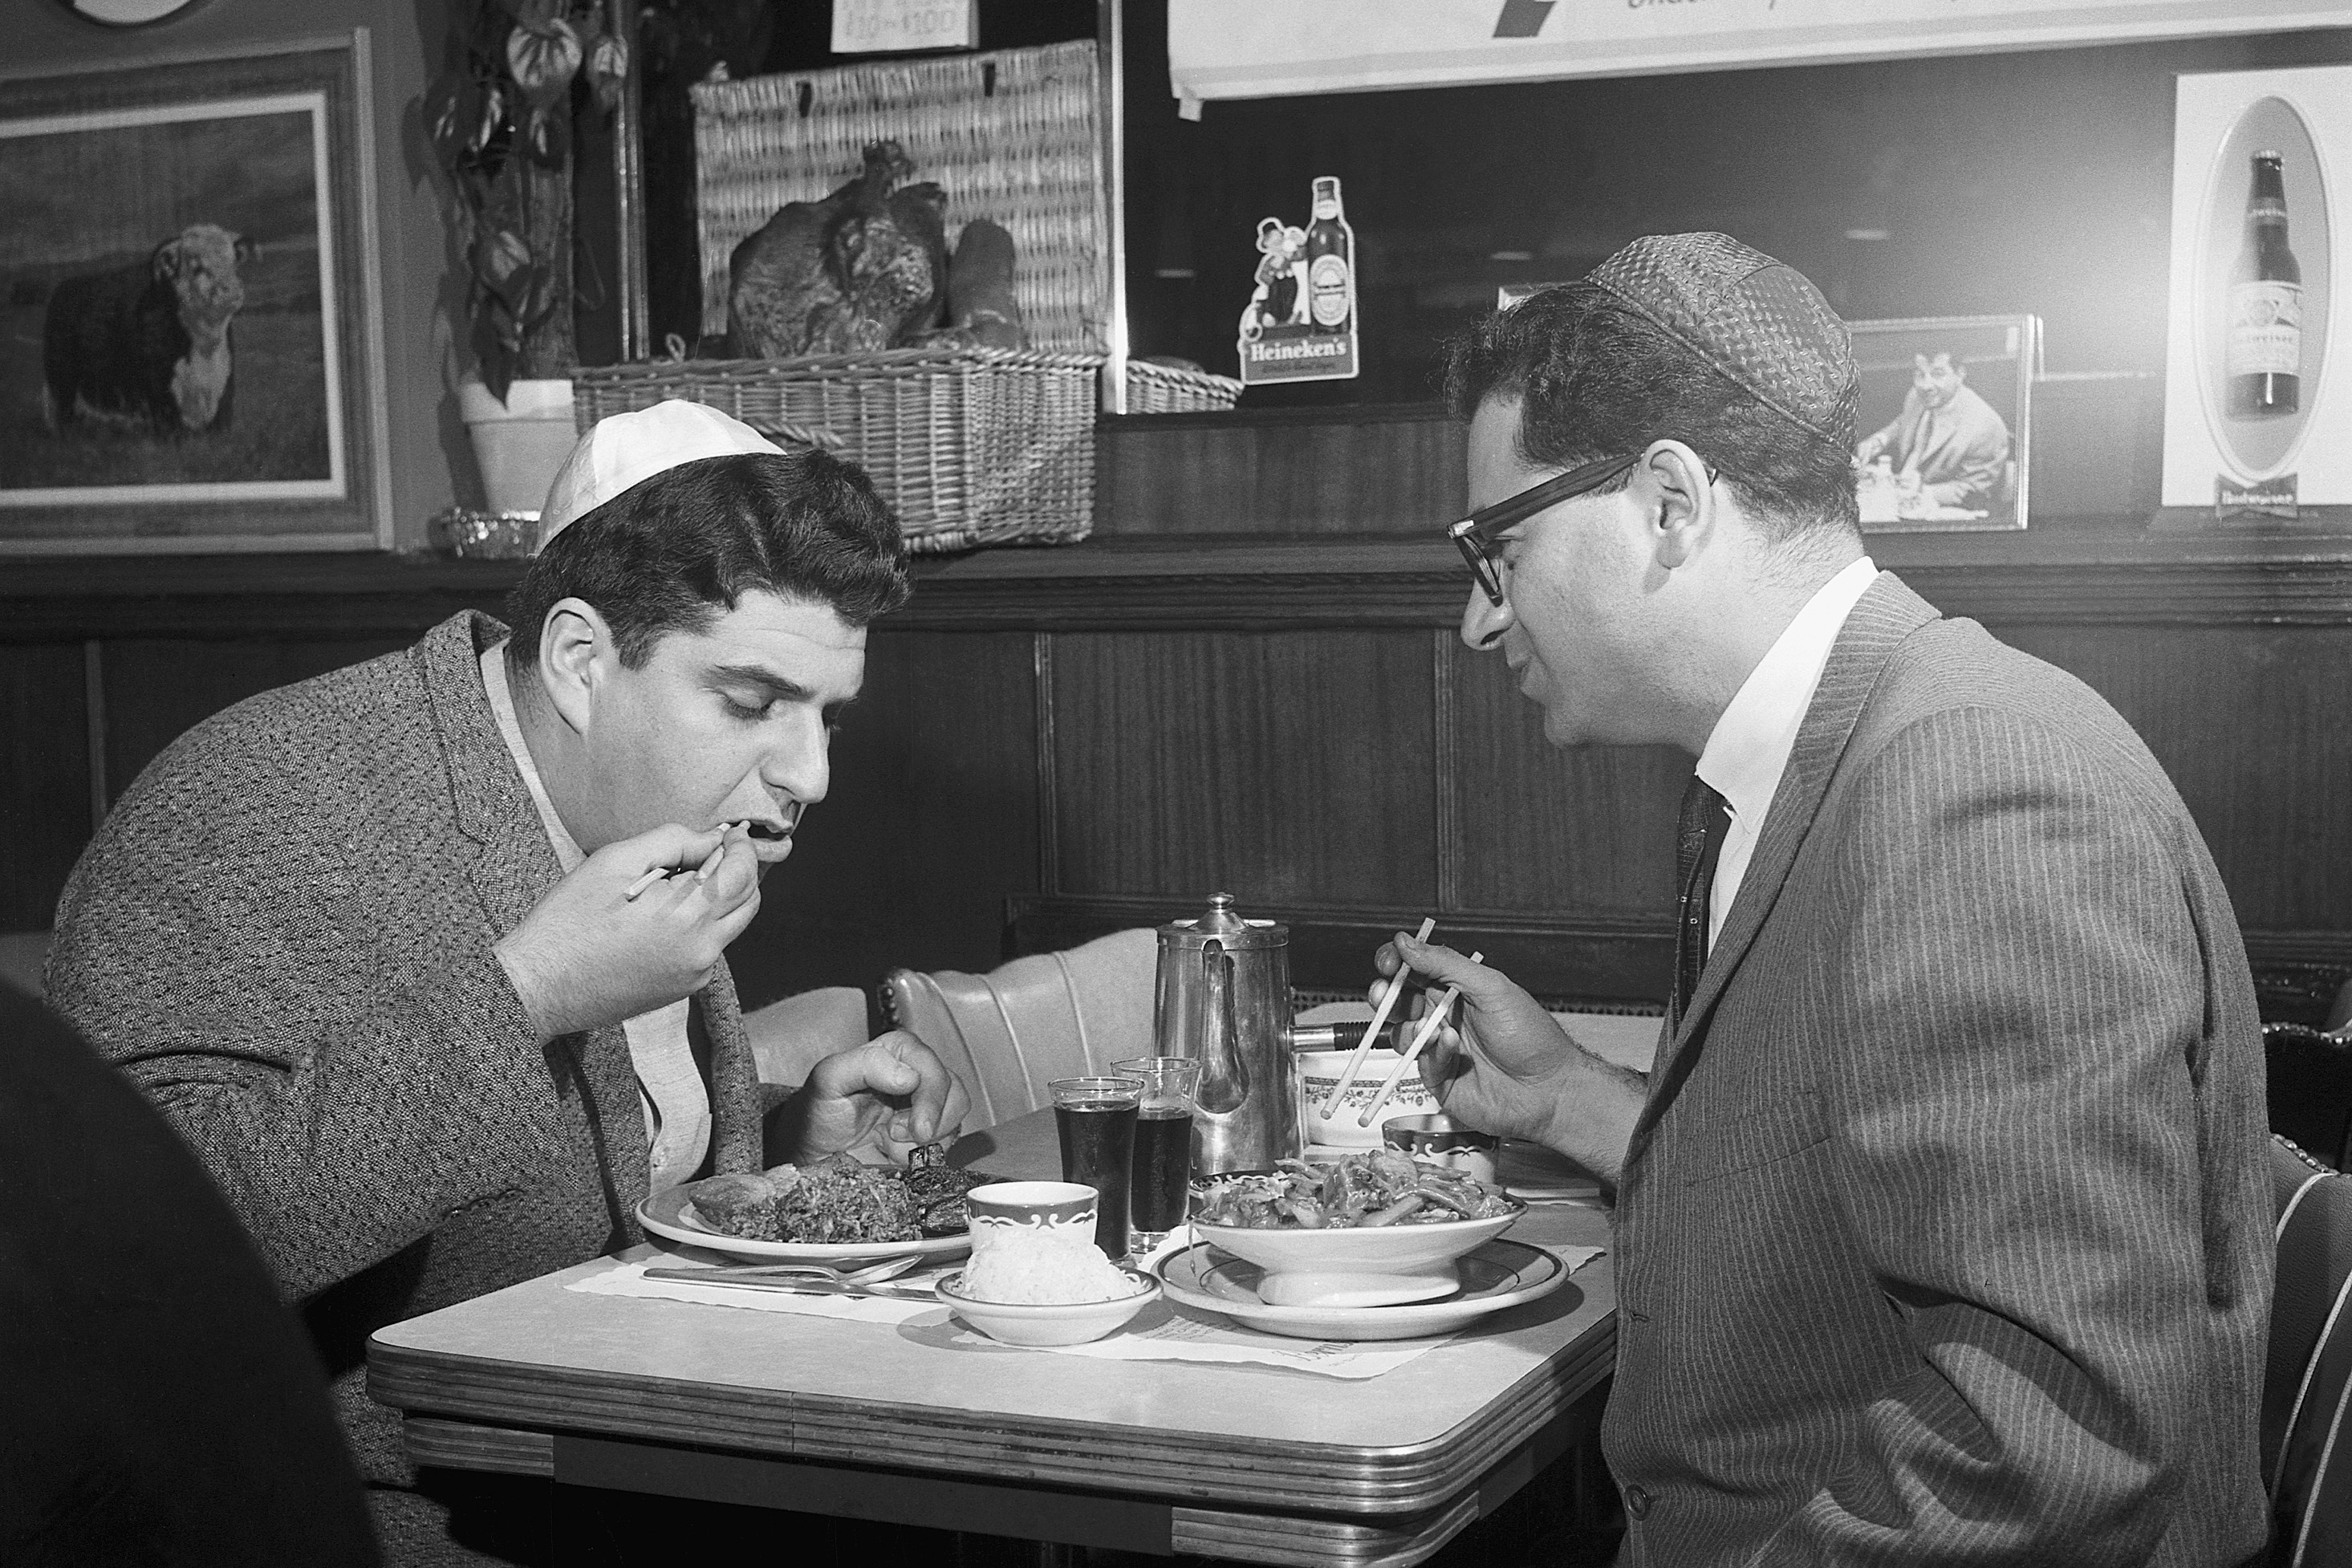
(1378, 1187)
(1370, 1227)
(826, 1212)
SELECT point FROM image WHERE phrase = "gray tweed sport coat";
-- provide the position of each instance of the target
(283, 935)
(1943, 1238)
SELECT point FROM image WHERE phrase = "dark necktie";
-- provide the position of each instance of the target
(1698, 844)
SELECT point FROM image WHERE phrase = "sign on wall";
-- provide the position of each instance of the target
(1273, 48)
(2257, 378)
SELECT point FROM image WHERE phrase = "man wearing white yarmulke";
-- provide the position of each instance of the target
(425, 957)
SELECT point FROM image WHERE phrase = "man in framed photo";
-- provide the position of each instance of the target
(1947, 445)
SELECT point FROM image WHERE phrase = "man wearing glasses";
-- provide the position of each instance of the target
(1941, 1226)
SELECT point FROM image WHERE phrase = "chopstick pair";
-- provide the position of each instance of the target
(1371, 1032)
(1428, 1031)
(702, 873)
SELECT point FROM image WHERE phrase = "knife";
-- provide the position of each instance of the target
(889, 1290)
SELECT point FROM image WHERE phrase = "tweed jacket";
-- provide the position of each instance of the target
(1943, 1235)
(283, 935)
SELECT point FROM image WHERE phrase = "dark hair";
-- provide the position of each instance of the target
(1595, 378)
(674, 551)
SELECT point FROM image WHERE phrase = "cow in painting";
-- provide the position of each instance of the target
(148, 343)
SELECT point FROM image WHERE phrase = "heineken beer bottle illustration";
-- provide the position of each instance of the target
(1330, 262)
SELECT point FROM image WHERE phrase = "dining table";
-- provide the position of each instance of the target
(916, 1423)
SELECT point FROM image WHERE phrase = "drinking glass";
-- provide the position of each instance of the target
(1095, 1118)
(1161, 1184)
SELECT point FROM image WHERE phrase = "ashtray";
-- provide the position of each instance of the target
(486, 536)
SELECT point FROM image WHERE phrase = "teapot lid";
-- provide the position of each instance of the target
(1227, 926)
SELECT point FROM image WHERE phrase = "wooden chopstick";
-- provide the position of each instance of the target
(701, 874)
(1371, 1033)
(1427, 1031)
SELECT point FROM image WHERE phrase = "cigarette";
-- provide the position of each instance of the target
(702, 873)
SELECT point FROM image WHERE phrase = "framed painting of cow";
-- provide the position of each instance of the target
(191, 326)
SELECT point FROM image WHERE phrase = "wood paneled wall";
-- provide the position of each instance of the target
(1127, 725)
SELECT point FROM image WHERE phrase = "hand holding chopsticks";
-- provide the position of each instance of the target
(702, 873)
(1371, 1033)
(1428, 1031)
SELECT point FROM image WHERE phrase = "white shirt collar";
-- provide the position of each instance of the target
(1747, 750)
(568, 853)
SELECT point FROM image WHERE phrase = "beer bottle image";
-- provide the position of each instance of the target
(2262, 354)
(1330, 262)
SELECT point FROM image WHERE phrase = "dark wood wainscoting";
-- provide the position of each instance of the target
(1274, 704)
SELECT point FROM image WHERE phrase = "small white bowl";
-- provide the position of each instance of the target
(1059, 1323)
(1358, 1265)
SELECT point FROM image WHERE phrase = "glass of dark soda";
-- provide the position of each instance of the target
(1161, 1184)
(1095, 1117)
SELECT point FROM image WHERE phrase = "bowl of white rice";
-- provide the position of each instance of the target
(1037, 1288)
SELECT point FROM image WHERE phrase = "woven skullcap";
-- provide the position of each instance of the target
(1760, 323)
(627, 449)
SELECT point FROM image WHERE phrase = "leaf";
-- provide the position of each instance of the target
(608, 72)
(503, 261)
(544, 56)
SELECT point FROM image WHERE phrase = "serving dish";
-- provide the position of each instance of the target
(670, 1215)
(1498, 1275)
(1359, 1265)
(1056, 1323)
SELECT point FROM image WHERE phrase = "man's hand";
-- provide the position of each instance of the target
(587, 954)
(884, 1096)
(1510, 1069)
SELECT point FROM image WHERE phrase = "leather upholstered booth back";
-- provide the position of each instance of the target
(1008, 1033)
(2307, 1427)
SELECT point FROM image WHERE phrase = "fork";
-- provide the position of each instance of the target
(889, 1268)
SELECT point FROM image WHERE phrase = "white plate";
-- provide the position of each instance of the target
(668, 1215)
(1499, 1274)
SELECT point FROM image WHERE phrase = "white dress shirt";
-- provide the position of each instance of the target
(670, 1085)
(1747, 750)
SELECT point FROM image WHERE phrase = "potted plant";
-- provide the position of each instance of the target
(500, 120)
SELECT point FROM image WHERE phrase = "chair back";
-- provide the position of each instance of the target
(1008, 1033)
(2306, 1448)
(2310, 1087)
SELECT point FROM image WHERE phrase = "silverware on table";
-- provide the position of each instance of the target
(802, 1285)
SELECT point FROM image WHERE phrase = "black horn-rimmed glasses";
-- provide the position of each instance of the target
(1478, 536)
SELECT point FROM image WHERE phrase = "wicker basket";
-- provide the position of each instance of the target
(1165, 389)
(973, 446)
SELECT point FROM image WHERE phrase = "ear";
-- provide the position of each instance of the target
(1681, 500)
(247, 250)
(166, 262)
(1920, 361)
(576, 654)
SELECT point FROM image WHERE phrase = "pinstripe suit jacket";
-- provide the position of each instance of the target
(1943, 1238)
(283, 936)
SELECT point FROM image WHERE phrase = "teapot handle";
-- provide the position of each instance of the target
(1225, 1077)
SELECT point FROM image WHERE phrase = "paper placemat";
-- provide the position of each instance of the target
(1165, 1331)
(629, 1280)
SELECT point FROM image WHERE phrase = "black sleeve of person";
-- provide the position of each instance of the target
(162, 1405)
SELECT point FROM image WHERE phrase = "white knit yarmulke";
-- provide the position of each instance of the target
(627, 449)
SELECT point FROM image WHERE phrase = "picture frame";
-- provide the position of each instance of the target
(2255, 383)
(1944, 429)
(191, 307)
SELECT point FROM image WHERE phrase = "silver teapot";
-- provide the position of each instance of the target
(1223, 996)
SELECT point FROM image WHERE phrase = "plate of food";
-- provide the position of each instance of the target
(828, 1212)
(1495, 1275)
(1371, 1228)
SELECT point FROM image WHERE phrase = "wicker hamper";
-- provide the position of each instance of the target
(977, 446)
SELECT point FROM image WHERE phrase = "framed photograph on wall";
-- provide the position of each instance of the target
(191, 319)
(2256, 389)
(1945, 421)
